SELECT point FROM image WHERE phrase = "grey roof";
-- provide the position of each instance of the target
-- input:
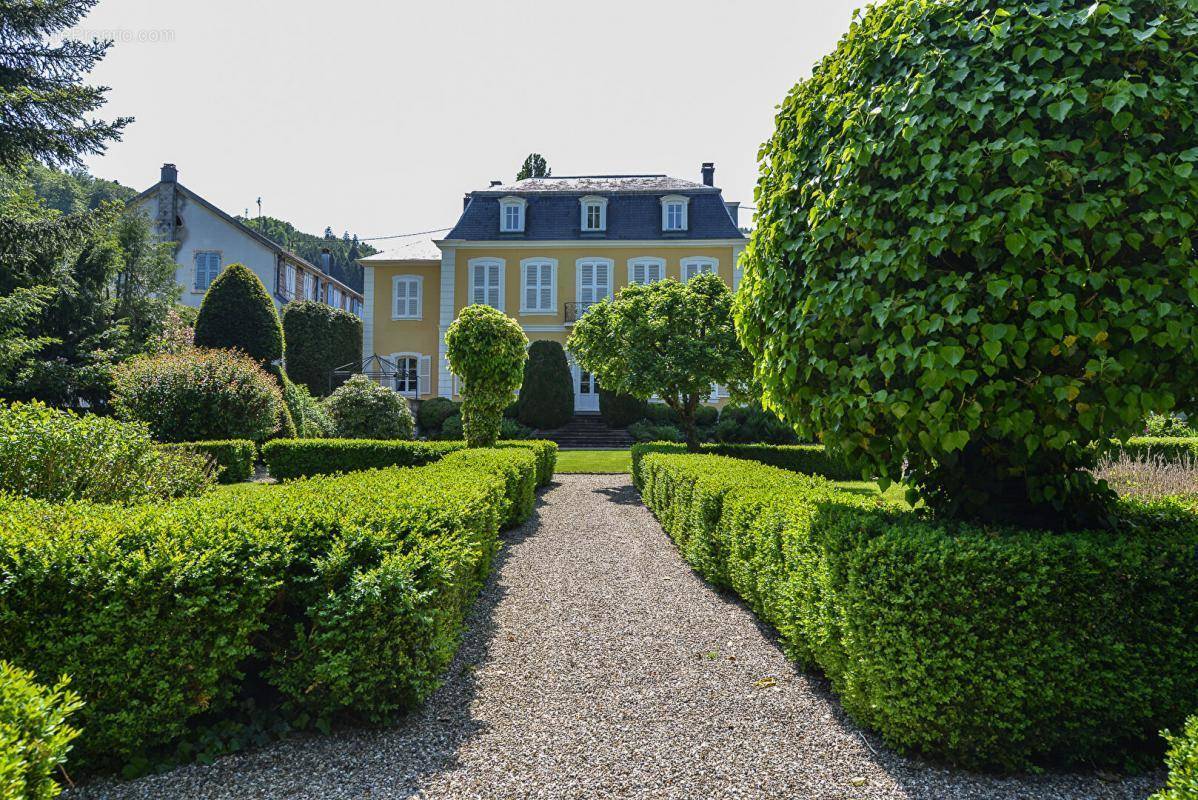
(633, 209)
(418, 247)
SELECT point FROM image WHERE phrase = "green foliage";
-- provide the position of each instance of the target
(1182, 761)
(646, 431)
(808, 459)
(343, 252)
(511, 429)
(363, 409)
(47, 110)
(452, 428)
(344, 595)
(233, 459)
(433, 412)
(668, 339)
(60, 456)
(620, 410)
(752, 423)
(546, 397)
(73, 190)
(1169, 425)
(534, 166)
(974, 246)
(984, 646)
(308, 415)
(199, 395)
(487, 350)
(17, 310)
(320, 339)
(34, 735)
(1171, 448)
(238, 314)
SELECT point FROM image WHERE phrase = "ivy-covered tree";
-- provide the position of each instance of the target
(534, 166)
(668, 339)
(975, 246)
(487, 350)
(238, 314)
(44, 106)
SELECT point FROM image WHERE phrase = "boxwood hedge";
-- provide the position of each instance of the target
(34, 735)
(234, 458)
(811, 459)
(1171, 448)
(985, 646)
(335, 596)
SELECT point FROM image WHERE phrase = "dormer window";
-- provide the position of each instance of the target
(673, 212)
(511, 214)
(594, 213)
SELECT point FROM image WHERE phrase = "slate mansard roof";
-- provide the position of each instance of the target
(633, 209)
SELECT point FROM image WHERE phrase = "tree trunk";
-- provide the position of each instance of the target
(686, 416)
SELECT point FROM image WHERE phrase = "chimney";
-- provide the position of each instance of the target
(496, 183)
(326, 260)
(465, 201)
(709, 173)
(733, 211)
(170, 174)
(167, 220)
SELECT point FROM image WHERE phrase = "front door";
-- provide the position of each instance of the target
(586, 392)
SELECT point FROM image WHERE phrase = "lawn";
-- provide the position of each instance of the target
(574, 461)
(897, 492)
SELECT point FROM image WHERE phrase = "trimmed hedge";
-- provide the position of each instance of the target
(811, 459)
(546, 400)
(346, 595)
(34, 735)
(289, 459)
(234, 458)
(319, 339)
(986, 647)
(1171, 448)
(238, 314)
(1182, 761)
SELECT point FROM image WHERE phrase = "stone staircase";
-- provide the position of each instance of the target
(587, 432)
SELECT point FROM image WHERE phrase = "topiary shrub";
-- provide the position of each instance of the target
(547, 394)
(34, 735)
(198, 395)
(452, 428)
(238, 314)
(974, 249)
(61, 456)
(363, 409)
(620, 410)
(319, 339)
(1182, 761)
(433, 412)
(487, 350)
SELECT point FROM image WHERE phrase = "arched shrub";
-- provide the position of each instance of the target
(363, 409)
(319, 339)
(547, 394)
(974, 246)
(238, 314)
(486, 349)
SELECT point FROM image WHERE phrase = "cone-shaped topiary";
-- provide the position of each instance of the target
(547, 393)
(974, 251)
(238, 314)
(486, 349)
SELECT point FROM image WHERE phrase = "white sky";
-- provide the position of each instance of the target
(377, 116)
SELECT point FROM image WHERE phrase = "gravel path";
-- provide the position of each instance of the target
(597, 665)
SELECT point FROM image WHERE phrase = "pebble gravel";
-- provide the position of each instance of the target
(598, 665)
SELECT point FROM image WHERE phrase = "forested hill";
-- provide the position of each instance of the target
(73, 191)
(344, 249)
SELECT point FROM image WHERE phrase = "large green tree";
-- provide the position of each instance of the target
(668, 339)
(975, 246)
(534, 166)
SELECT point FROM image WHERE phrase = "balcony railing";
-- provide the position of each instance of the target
(574, 311)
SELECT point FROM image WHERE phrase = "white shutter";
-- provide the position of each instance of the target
(478, 285)
(424, 378)
(586, 283)
(493, 285)
(601, 281)
(546, 288)
(401, 298)
(414, 299)
(658, 270)
(639, 273)
(531, 277)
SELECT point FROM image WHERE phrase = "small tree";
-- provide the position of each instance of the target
(238, 314)
(534, 166)
(319, 339)
(486, 349)
(547, 394)
(363, 409)
(670, 339)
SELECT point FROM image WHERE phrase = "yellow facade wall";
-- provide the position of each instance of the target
(403, 335)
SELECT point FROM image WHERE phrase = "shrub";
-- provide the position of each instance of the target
(309, 416)
(363, 409)
(706, 416)
(546, 397)
(752, 423)
(238, 314)
(510, 429)
(645, 431)
(985, 646)
(345, 595)
(452, 428)
(660, 414)
(433, 412)
(34, 735)
(970, 279)
(809, 459)
(620, 410)
(60, 456)
(1183, 764)
(320, 339)
(199, 395)
(232, 458)
(487, 351)
(1169, 448)
(1167, 425)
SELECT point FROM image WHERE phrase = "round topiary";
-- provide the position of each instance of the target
(363, 409)
(198, 395)
(974, 250)
(547, 394)
(486, 349)
(620, 410)
(238, 314)
(433, 412)
(319, 339)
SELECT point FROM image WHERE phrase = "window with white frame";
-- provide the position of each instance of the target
(697, 266)
(646, 270)
(407, 294)
(594, 213)
(309, 286)
(486, 282)
(413, 373)
(207, 267)
(289, 286)
(673, 212)
(511, 214)
(593, 276)
(538, 290)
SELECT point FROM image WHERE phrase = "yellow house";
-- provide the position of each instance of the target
(542, 250)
